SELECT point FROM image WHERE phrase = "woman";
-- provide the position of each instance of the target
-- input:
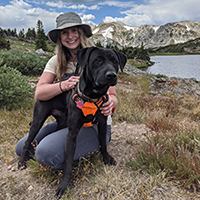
(69, 36)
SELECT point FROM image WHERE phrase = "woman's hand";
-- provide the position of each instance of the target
(69, 83)
(107, 107)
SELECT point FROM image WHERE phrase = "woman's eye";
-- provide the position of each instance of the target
(63, 32)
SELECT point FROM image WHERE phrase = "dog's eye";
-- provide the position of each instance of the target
(98, 59)
(115, 61)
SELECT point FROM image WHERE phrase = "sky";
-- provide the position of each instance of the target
(24, 14)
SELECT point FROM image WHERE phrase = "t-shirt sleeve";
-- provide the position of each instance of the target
(51, 65)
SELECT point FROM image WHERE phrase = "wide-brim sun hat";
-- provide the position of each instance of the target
(68, 20)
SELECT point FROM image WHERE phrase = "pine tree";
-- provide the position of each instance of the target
(40, 42)
(14, 32)
(31, 34)
(142, 53)
(21, 34)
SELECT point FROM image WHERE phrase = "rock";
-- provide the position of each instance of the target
(177, 86)
(30, 187)
(9, 167)
(129, 69)
(41, 52)
(13, 169)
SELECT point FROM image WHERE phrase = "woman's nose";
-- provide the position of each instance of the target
(70, 34)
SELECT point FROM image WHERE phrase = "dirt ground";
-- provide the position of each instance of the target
(21, 185)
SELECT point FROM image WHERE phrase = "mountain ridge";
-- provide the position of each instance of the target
(151, 36)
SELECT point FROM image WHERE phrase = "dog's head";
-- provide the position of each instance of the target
(100, 67)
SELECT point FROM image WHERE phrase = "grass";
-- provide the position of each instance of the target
(141, 64)
(28, 47)
(175, 145)
(171, 150)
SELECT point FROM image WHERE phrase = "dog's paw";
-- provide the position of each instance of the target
(61, 190)
(109, 160)
(22, 165)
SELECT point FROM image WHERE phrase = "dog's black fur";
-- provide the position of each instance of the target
(100, 67)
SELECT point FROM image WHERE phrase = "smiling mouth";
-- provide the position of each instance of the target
(71, 42)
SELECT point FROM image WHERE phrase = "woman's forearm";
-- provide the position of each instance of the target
(47, 91)
(114, 100)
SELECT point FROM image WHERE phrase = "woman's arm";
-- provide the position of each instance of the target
(46, 89)
(107, 107)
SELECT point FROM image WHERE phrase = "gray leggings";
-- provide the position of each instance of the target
(50, 145)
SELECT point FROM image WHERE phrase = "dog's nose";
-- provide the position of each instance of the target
(110, 75)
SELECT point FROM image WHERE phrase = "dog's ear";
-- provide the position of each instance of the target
(83, 55)
(122, 59)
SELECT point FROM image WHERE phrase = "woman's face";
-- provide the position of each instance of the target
(70, 38)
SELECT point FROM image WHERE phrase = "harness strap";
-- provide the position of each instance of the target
(88, 109)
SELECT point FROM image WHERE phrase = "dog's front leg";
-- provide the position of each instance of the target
(35, 126)
(102, 129)
(70, 147)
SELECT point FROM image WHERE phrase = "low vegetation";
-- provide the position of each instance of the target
(189, 47)
(29, 64)
(170, 151)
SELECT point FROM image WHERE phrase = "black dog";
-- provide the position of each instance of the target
(100, 67)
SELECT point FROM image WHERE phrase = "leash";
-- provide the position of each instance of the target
(77, 69)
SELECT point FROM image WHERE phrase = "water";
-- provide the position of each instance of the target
(184, 66)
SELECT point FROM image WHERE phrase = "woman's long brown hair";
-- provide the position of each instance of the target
(63, 54)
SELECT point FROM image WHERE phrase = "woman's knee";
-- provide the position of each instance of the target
(20, 145)
(48, 158)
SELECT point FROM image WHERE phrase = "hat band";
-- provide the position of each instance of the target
(68, 21)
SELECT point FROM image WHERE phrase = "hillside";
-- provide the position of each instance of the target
(191, 46)
(151, 36)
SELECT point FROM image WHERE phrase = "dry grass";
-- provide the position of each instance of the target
(175, 124)
(13, 126)
(175, 146)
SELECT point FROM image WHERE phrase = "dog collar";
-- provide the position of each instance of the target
(84, 97)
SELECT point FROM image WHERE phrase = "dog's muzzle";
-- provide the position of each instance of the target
(111, 75)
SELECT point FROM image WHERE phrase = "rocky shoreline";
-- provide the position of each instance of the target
(177, 86)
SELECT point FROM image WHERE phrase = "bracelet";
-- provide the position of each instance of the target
(60, 87)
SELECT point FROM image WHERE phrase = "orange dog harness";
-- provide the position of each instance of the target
(88, 109)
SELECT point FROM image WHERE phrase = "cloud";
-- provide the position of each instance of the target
(20, 4)
(79, 1)
(156, 12)
(25, 13)
(88, 19)
(82, 6)
(19, 14)
(132, 20)
(60, 4)
(19, 18)
(119, 4)
(57, 5)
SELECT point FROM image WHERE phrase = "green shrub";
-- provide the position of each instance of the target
(14, 88)
(160, 76)
(26, 63)
(4, 44)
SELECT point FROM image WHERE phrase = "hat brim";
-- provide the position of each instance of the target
(53, 34)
